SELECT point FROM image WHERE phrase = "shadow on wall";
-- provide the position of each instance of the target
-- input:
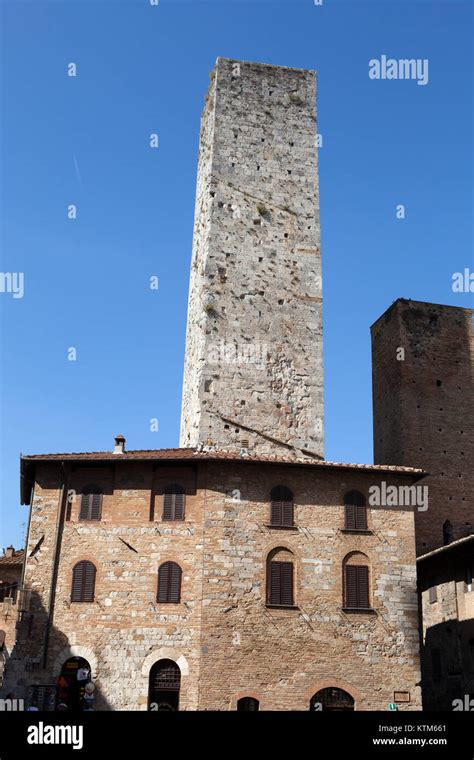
(447, 658)
(44, 669)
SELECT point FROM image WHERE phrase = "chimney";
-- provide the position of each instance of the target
(9, 552)
(119, 444)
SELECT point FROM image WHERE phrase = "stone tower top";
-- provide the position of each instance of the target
(253, 371)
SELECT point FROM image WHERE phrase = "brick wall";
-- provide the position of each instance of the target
(226, 641)
(423, 408)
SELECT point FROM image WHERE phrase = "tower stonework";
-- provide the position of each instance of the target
(423, 406)
(254, 369)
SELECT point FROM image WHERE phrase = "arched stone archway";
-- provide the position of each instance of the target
(165, 653)
(76, 651)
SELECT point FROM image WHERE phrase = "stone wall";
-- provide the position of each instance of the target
(423, 408)
(227, 642)
(253, 369)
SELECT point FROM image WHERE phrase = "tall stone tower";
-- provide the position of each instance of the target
(253, 373)
(423, 401)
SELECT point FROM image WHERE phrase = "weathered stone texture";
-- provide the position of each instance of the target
(227, 641)
(254, 341)
(423, 408)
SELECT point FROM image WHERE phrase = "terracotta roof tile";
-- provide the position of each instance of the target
(210, 455)
(17, 559)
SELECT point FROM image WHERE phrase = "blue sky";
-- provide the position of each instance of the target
(84, 140)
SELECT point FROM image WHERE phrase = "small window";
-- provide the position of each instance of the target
(281, 507)
(91, 504)
(356, 582)
(173, 503)
(355, 511)
(169, 583)
(433, 594)
(247, 704)
(280, 578)
(83, 582)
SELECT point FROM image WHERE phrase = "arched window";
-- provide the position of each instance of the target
(280, 578)
(355, 511)
(173, 502)
(164, 686)
(281, 507)
(83, 582)
(356, 582)
(169, 583)
(332, 699)
(247, 704)
(448, 532)
(91, 503)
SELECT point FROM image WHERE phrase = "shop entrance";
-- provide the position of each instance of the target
(75, 691)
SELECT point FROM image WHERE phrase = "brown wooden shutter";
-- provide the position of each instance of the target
(173, 503)
(85, 506)
(351, 586)
(96, 506)
(83, 582)
(274, 583)
(281, 506)
(91, 505)
(350, 516)
(281, 583)
(357, 587)
(363, 587)
(286, 583)
(174, 582)
(276, 516)
(361, 517)
(168, 503)
(163, 581)
(89, 582)
(169, 583)
(179, 506)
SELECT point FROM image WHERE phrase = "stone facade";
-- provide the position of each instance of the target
(253, 367)
(11, 566)
(446, 589)
(423, 409)
(228, 642)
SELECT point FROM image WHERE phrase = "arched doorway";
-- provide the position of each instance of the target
(247, 704)
(75, 690)
(164, 685)
(331, 699)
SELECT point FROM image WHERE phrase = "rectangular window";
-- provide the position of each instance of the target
(357, 587)
(433, 594)
(281, 584)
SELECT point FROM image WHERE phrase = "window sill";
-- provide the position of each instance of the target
(171, 520)
(282, 606)
(364, 531)
(360, 610)
(281, 527)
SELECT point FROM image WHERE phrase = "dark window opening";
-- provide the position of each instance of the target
(332, 700)
(282, 513)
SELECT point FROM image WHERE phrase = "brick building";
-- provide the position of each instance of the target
(11, 566)
(445, 582)
(282, 585)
